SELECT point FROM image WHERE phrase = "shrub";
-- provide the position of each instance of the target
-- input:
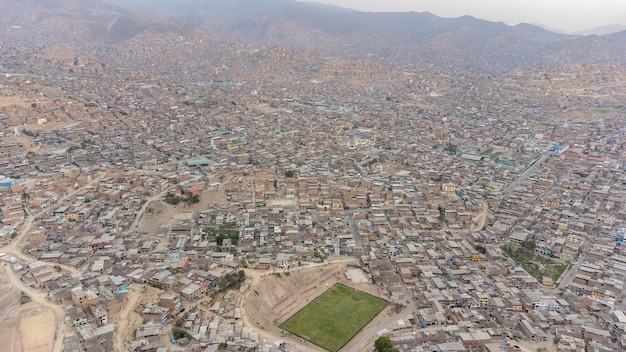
(179, 333)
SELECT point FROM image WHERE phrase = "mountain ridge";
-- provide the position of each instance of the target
(421, 40)
(463, 44)
(602, 30)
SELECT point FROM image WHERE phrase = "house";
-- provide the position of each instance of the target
(191, 291)
(153, 312)
(532, 333)
(448, 188)
(183, 228)
(82, 297)
(77, 316)
(264, 263)
(518, 238)
(150, 331)
(170, 301)
(100, 315)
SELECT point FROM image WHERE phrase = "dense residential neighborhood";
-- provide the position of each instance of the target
(487, 229)
(166, 212)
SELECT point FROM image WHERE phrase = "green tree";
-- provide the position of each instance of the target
(178, 334)
(383, 344)
(319, 255)
(289, 173)
(529, 245)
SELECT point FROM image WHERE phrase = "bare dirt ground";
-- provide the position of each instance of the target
(28, 143)
(271, 299)
(161, 213)
(18, 321)
(36, 331)
(10, 101)
(10, 313)
(128, 320)
(39, 315)
(40, 304)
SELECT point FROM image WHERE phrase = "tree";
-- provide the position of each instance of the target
(480, 249)
(383, 344)
(179, 333)
(289, 173)
(319, 255)
(529, 245)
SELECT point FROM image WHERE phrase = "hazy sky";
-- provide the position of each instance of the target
(566, 15)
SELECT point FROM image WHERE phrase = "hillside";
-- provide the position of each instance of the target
(418, 40)
(422, 40)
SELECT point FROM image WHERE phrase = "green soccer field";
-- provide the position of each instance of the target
(332, 319)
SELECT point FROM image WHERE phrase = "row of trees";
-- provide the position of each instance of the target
(187, 198)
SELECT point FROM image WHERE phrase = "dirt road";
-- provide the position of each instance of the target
(57, 321)
(314, 281)
(482, 217)
(14, 248)
(132, 297)
(480, 220)
(270, 299)
(256, 277)
(145, 207)
(42, 299)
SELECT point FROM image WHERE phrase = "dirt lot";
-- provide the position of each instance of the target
(19, 321)
(10, 313)
(36, 331)
(271, 299)
(127, 318)
(10, 101)
(161, 213)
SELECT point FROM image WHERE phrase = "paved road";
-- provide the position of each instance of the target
(529, 171)
(567, 278)
(255, 277)
(365, 339)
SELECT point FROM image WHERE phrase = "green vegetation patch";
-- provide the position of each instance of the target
(535, 264)
(179, 334)
(232, 280)
(187, 198)
(220, 233)
(335, 317)
(491, 153)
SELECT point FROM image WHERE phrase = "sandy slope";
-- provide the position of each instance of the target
(271, 299)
